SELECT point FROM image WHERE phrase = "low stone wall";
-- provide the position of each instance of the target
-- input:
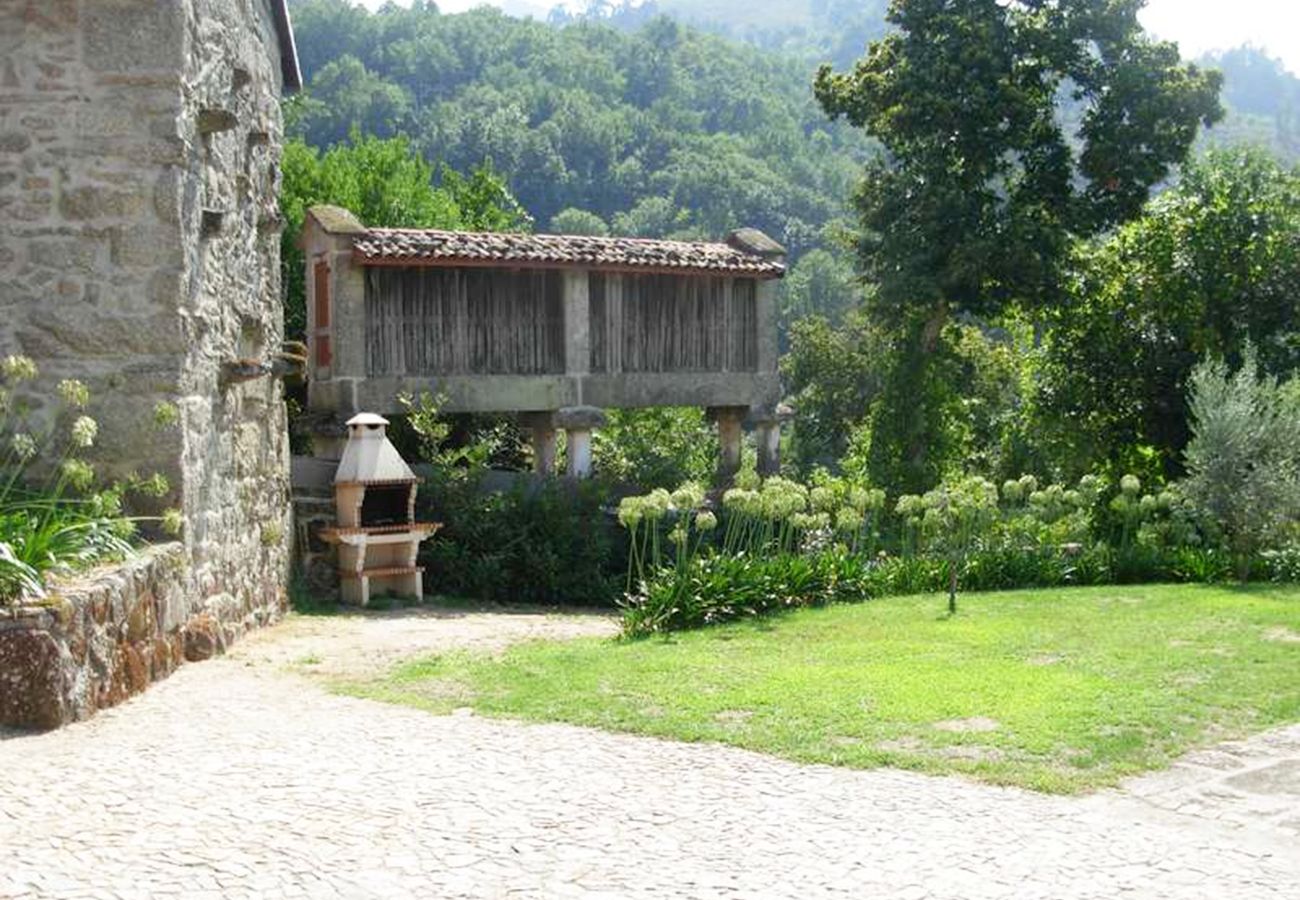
(93, 643)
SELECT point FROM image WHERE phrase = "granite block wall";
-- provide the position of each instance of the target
(139, 252)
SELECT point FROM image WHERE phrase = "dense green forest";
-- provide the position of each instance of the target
(624, 120)
(663, 131)
(1262, 98)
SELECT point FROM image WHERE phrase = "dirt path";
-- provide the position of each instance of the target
(352, 645)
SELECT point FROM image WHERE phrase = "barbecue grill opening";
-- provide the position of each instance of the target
(386, 505)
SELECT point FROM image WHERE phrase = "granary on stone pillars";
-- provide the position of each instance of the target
(555, 328)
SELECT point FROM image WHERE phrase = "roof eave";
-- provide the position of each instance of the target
(291, 73)
(445, 262)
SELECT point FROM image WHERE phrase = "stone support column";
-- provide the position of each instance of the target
(730, 421)
(578, 458)
(541, 426)
(767, 435)
(578, 423)
(577, 323)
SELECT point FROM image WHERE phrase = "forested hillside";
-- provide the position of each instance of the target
(666, 130)
(1261, 97)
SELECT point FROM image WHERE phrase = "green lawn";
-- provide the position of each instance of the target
(1060, 690)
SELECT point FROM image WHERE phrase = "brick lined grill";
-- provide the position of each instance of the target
(377, 535)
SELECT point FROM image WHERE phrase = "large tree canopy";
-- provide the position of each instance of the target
(1212, 267)
(1010, 129)
(385, 183)
(982, 184)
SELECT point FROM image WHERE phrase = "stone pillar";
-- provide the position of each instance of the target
(578, 459)
(577, 323)
(541, 425)
(767, 435)
(578, 423)
(730, 421)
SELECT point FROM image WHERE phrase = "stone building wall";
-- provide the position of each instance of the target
(94, 643)
(139, 251)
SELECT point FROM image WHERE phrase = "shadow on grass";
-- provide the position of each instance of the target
(304, 603)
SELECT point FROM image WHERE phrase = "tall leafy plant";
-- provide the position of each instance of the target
(1243, 460)
(54, 518)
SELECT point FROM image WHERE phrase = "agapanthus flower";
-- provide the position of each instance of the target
(848, 519)
(689, 496)
(656, 504)
(172, 522)
(74, 393)
(156, 485)
(23, 445)
(78, 474)
(630, 512)
(822, 499)
(1131, 485)
(706, 521)
(18, 368)
(84, 431)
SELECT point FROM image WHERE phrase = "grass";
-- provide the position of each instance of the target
(1058, 690)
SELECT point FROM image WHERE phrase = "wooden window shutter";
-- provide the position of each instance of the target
(321, 335)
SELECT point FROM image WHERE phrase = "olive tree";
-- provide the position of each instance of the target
(1243, 460)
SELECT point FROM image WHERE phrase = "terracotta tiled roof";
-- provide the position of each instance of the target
(406, 247)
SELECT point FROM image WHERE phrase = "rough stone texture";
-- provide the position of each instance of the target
(279, 789)
(94, 642)
(108, 162)
(1239, 782)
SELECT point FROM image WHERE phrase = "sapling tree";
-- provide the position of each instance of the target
(954, 518)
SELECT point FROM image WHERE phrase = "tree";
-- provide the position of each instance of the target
(832, 375)
(346, 96)
(385, 183)
(578, 221)
(1243, 461)
(1212, 266)
(953, 520)
(980, 191)
(820, 283)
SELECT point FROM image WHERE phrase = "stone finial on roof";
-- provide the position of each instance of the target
(751, 240)
(336, 220)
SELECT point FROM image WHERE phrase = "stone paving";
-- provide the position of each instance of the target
(233, 779)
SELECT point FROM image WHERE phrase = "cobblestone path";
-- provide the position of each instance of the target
(233, 779)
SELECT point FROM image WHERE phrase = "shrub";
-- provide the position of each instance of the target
(656, 448)
(1243, 460)
(546, 543)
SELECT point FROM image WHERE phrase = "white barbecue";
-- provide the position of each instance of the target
(377, 535)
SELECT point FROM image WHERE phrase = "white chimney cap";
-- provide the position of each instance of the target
(367, 419)
(369, 457)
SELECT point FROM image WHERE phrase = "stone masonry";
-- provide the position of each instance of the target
(139, 252)
(96, 642)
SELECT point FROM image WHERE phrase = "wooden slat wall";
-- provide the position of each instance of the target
(436, 321)
(433, 321)
(672, 323)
